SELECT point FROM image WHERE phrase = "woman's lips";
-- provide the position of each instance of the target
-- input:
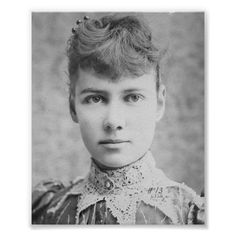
(113, 143)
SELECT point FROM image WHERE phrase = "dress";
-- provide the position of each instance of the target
(135, 194)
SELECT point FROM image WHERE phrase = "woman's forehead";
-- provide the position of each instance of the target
(88, 80)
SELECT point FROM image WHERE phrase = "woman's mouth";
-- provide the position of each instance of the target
(114, 143)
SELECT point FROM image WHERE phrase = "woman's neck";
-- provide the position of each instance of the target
(104, 167)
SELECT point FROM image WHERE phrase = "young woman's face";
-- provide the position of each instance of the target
(117, 118)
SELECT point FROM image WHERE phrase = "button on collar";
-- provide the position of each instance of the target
(108, 184)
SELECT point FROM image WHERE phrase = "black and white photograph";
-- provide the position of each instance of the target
(118, 118)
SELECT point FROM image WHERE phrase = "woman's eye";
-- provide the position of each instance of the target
(134, 98)
(94, 99)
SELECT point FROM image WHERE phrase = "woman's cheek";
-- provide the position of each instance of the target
(145, 119)
(90, 126)
(145, 125)
(86, 117)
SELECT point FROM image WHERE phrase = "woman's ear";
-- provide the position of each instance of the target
(161, 98)
(72, 107)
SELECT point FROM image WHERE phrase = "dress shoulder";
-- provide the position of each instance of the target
(47, 195)
(42, 195)
(190, 204)
(180, 202)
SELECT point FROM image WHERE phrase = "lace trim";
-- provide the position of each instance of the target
(124, 188)
(132, 183)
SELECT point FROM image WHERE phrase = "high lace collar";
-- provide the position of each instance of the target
(123, 189)
(137, 173)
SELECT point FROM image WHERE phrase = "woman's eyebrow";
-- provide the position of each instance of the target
(131, 90)
(92, 90)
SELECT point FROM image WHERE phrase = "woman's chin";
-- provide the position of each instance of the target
(115, 160)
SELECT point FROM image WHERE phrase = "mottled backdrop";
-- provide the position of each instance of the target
(57, 148)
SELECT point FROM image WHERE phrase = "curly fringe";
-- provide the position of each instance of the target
(112, 47)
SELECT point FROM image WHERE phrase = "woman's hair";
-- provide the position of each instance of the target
(111, 47)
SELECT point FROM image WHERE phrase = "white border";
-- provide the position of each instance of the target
(15, 104)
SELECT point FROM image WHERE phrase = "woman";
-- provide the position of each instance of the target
(117, 97)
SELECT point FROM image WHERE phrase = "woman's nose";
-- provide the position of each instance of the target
(114, 119)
